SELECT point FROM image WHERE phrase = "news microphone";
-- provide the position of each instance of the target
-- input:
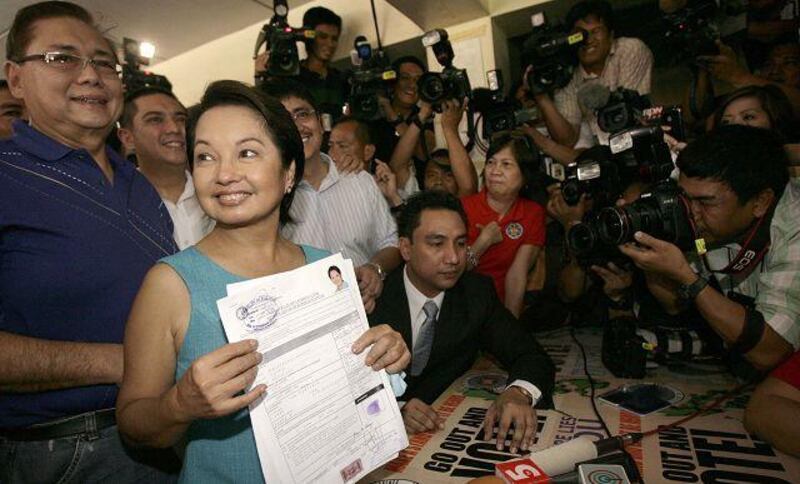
(562, 458)
(593, 96)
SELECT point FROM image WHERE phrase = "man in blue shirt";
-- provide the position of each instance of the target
(79, 228)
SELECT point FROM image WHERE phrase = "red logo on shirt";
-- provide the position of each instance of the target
(514, 230)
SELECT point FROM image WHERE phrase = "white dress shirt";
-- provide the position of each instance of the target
(415, 302)
(190, 221)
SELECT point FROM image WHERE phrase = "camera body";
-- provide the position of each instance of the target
(594, 173)
(622, 111)
(553, 53)
(452, 82)
(498, 113)
(368, 80)
(642, 151)
(692, 29)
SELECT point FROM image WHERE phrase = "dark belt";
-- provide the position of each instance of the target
(89, 423)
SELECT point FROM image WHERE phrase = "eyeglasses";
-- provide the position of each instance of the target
(303, 115)
(72, 63)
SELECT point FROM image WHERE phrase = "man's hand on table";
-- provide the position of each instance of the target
(511, 407)
(419, 417)
(388, 351)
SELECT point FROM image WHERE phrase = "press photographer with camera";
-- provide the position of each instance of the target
(736, 185)
(603, 58)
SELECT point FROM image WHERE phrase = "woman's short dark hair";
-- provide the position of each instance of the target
(21, 33)
(278, 125)
(528, 160)
(773, 101)
(748, 159)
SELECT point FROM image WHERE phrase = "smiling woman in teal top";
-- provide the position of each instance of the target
(183, 382)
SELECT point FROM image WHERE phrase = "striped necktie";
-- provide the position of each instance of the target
(422, 350)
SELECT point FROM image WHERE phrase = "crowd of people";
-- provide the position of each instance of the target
(113, 359)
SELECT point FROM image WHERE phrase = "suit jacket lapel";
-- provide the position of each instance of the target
(395, 303)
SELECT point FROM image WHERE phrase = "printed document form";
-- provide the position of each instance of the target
(326, 417)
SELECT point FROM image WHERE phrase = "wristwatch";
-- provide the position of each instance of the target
(524, 392)
(688, 292)
(378, 269)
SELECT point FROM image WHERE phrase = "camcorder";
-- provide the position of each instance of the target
(498, 113)
(692, 29)
(135, 79)
(369, 79)
(553, 53)
(452, 82)
(281, 40)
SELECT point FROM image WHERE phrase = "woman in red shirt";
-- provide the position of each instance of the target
(506, 230)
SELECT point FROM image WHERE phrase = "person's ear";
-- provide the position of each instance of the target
(369, 152)
(288, 178)
(762, 202)
(14, 78)
(404, 244)
(125, 136)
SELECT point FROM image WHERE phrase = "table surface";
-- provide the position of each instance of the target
(713, 447)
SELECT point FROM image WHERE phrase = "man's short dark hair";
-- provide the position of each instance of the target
(283, 89)
(409, 218)
(21, 34)
(321, 15)
(408, 59)
(591, 8)
(363, 134)
(748, 159)
(129, 110)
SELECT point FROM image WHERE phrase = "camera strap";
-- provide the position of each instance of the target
(755, 247)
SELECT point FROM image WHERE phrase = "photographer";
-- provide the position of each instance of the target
(613, 62)
(735, 182)
(327, 84)
(462, 168)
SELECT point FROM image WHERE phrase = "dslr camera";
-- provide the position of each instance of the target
(368, 80)
(451, 83)
(281, 39)
(498, 113)
(594, 173)
(553, 53)
(692, 29)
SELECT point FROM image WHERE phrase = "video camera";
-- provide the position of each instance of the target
(498, 113)
(368, 80)
(281, 39)
(452, 82)
(692, 29)
(553, 53)
(133, 78)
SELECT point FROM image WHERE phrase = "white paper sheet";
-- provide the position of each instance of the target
(326, 416)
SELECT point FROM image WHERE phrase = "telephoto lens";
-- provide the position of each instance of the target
(662, 213)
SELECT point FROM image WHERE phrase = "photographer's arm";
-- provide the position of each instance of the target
(561, 153)
(726, 317)
(400, 162)
(58, 364)
(561, 130)
(463, 170)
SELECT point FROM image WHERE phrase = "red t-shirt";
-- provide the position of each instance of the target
(524, 224)
(789, 371)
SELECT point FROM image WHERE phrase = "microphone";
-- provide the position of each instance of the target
(593, 96)
(562, 458)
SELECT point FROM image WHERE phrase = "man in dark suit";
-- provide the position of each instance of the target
(446, 316)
